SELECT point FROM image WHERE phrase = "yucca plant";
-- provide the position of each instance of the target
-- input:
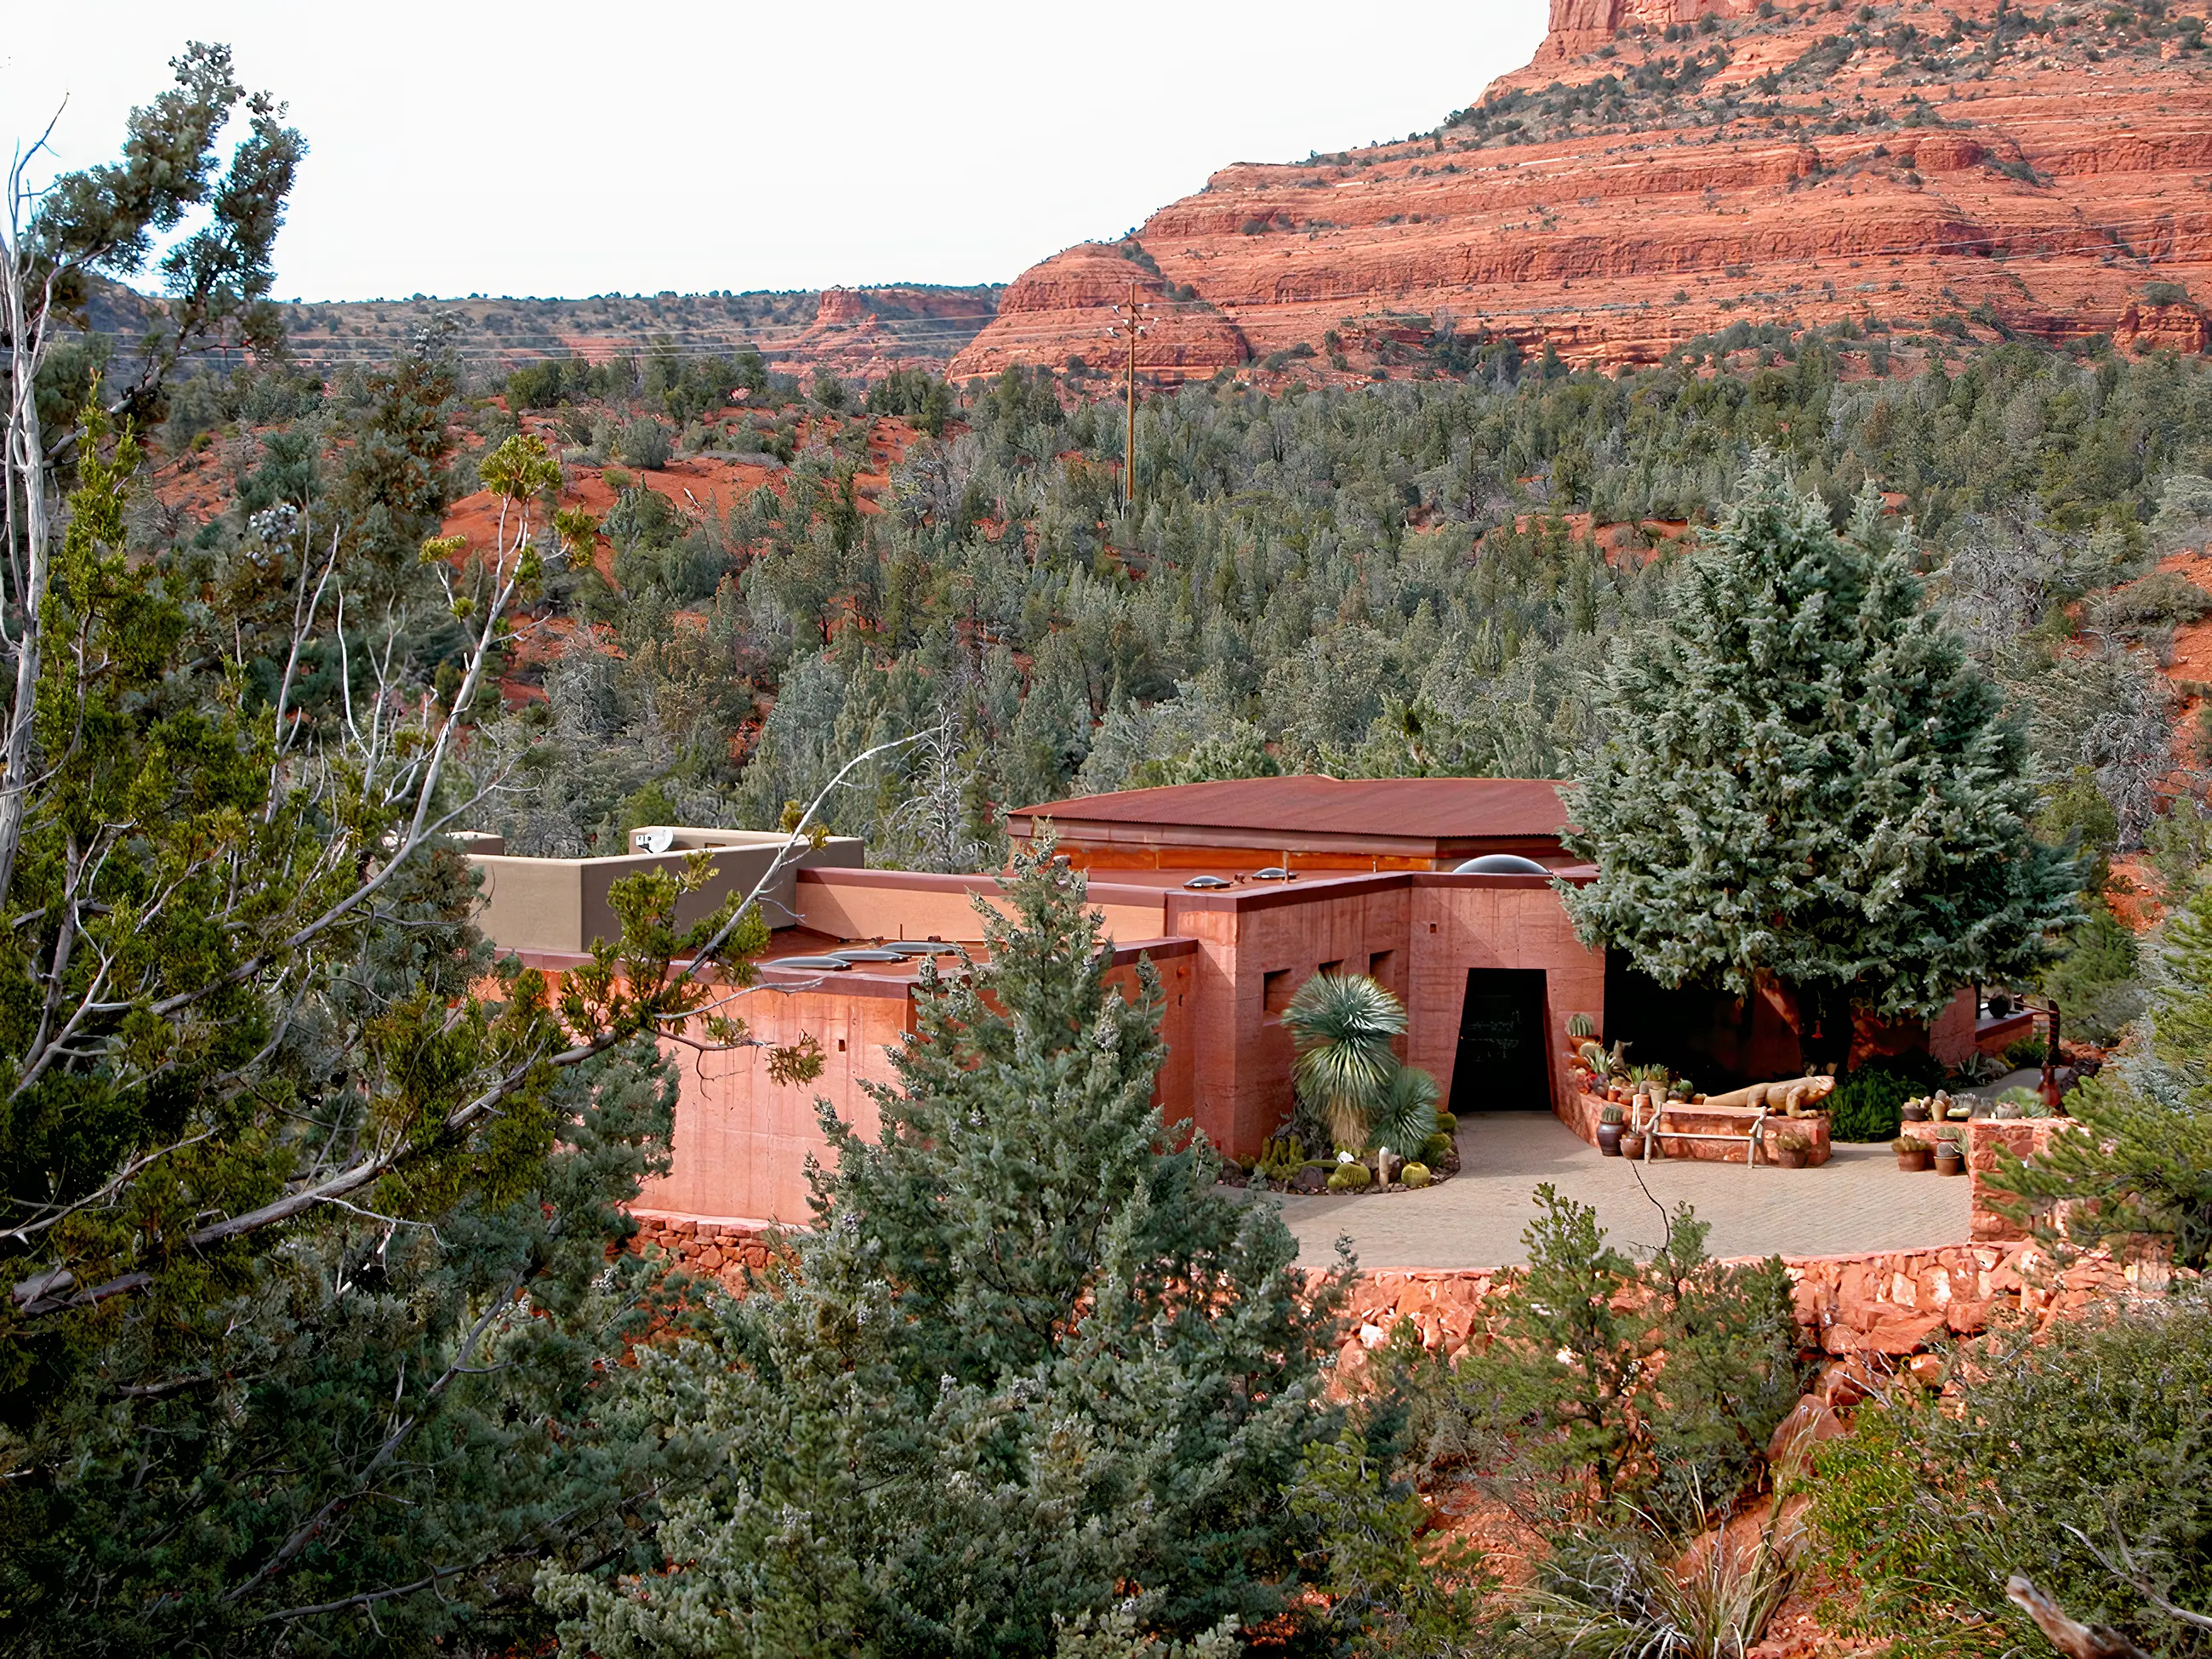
(1342, 1025)
(1406, 1116)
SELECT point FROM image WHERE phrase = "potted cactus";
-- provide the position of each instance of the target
(1950, 1154)
(1913, 1155)
(1610, 1127)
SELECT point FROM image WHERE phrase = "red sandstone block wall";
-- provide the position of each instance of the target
(1501, 924)
(741, 1141)
(1240, 1054)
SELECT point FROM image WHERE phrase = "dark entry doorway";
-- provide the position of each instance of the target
(1501, 1063)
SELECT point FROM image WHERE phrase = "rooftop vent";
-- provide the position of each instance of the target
(1272, 873)
(1501, 864)
(1206, 884)
(810, 964)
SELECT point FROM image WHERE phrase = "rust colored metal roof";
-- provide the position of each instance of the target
(1444, 810)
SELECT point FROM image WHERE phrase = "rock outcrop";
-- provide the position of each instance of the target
(1939, 170)
(865, 333)
(1063, 308)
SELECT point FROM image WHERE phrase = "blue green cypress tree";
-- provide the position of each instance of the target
(1804, 784)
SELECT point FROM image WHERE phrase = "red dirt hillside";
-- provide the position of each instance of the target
(1626, 191)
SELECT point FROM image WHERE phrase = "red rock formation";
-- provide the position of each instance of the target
(865, 333)
(1063, 308)
(1626, 193)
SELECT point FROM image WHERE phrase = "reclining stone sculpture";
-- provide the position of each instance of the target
(1789, 1096)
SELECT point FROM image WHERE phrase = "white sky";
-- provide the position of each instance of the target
(475, 146)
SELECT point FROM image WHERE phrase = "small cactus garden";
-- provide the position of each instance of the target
(1362, 1121)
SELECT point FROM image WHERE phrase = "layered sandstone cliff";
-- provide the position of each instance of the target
(1907, 165)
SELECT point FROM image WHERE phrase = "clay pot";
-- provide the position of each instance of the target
(1915, 1111)
(1949, 1159)
(1911, 1161)
(1609, 1137)
(1631, 1146)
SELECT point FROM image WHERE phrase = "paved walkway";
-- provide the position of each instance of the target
(1858, 1200)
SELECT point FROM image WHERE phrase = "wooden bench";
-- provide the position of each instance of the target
(1653, 1126)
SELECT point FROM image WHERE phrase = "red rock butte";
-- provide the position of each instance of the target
(1665, 167)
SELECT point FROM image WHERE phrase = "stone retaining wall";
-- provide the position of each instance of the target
(1861, 1313)
(719, 1250)
(1858, 1312)
(2022, 1137)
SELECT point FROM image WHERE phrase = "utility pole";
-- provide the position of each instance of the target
(1134, 323)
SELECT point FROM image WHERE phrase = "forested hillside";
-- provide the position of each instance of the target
(1412, 577)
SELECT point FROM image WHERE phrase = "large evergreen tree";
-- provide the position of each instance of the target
(1805, 785)
(1029, 1364)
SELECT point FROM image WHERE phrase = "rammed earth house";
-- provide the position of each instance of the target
(1442, 889)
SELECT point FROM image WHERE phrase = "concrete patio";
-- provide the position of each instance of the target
(1857, 1202)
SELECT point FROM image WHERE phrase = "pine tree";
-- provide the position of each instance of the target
(1806, 786)
(1028, 1363)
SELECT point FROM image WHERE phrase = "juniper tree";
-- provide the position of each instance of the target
(309, 1340)
(2141, 1163)
(1806, 786)
(1029, 1362)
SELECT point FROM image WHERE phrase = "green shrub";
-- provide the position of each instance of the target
(2161, 599)
(2100, 1426)
(1866, 1105)
(1571, 1415)
(644, 442)
(2024, 1051)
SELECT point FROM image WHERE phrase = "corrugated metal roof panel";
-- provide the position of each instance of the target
(1441, 809)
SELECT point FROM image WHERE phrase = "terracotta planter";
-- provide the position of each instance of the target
(1915, 1111)
(1916, 1160)
(1608, 1139)
(1949, 1160)
(1631, 1146)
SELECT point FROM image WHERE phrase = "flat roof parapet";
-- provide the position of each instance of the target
(560, 906)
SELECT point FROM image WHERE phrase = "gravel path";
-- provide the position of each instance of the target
(1857, 1202)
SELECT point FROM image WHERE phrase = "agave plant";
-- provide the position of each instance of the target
(1342, 1024)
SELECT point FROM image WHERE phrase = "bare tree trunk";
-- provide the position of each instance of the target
(2076, 1640)
(26, 470)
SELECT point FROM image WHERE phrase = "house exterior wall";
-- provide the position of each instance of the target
(1458, 922)
(742, 1141)
(1240, 1055)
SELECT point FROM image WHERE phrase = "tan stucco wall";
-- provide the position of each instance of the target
(561, 904)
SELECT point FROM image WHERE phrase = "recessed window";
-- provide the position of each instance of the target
(840, 1045)
(1275, 993)
(1336, 967)
(1382, 968)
